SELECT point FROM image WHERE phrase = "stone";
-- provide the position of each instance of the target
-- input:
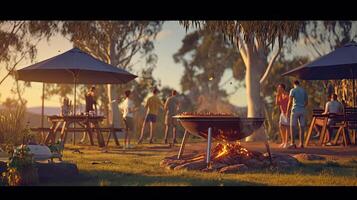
(218, 165)
(196, 165)
(238, 168)
(55, 171)
(309, 157)
(253, 163)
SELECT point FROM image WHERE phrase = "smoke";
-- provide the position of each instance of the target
(214, 104)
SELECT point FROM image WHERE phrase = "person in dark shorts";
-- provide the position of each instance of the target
(91, 107)
(153, 105)
(171, 107)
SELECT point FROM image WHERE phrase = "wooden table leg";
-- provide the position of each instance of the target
(335, 141)
(100, 138)
(310, 131)
(116, 138)
(323, 131)
(89, 132)
(346, 137)
(64, 132)
(50, 138)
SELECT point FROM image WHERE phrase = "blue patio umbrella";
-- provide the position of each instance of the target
(336, 65)
(74, 67)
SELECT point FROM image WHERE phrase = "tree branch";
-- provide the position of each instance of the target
(313, 45)
(270, 65)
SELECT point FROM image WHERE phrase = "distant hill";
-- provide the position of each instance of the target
(47, 111)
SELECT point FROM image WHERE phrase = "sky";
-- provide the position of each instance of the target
(168, 41)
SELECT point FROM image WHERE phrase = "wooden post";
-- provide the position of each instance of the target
(323, 131)
(43, 112)
(310, 131)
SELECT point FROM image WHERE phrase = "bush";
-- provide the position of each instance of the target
(11, 125)
(21, 169)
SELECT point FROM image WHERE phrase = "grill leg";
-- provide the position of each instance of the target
(268, 150)
(185, 136)
(209, 138)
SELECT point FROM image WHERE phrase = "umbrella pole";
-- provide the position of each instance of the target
(43, 111)
(353, 89)
(74, 107)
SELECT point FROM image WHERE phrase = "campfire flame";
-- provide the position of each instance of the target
(231, 149)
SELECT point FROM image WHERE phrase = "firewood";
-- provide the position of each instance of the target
(234, 168)
(197, 165)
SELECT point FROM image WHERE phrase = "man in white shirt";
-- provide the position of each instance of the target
(127, 107)
(332, 107)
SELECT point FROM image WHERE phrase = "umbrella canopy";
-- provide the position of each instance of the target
(74, 63)
(73, 67)
(338, 64)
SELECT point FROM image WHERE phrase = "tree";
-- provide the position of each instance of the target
(256, 42)
(18, 42)
(116, 43)
(205, 56)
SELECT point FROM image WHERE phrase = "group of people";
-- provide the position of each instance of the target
(153, 106)
(292, 120)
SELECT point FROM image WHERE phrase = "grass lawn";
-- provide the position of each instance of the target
(140, 167)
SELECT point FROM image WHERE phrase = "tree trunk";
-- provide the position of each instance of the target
(112, 94)
(113, 107)
(255, 67)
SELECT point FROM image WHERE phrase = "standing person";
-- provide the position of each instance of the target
(171, 107)
(298, 100)
(153, 104)
(282, 100)
(91, 103)
(127, 107)
(91, 106)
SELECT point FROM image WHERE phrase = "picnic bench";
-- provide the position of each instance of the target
(87, 124)
(343, 123)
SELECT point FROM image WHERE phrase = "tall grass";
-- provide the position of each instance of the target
(12, 124)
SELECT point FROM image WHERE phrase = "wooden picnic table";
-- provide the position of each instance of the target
(86, 123)
(320, 119)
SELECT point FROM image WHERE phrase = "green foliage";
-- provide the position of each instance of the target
(21, 168)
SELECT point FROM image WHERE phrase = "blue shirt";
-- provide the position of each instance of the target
(299, 99)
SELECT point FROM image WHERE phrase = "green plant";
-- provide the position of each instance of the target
(21, 169)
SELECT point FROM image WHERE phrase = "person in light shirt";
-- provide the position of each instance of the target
(332, 107)
(128, 108)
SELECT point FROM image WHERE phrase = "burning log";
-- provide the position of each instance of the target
(229, 158)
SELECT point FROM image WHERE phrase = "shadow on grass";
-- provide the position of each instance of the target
(111, 178)
(323, 168)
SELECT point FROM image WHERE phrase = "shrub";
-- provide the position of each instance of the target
(21, 169)
(12, 124)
